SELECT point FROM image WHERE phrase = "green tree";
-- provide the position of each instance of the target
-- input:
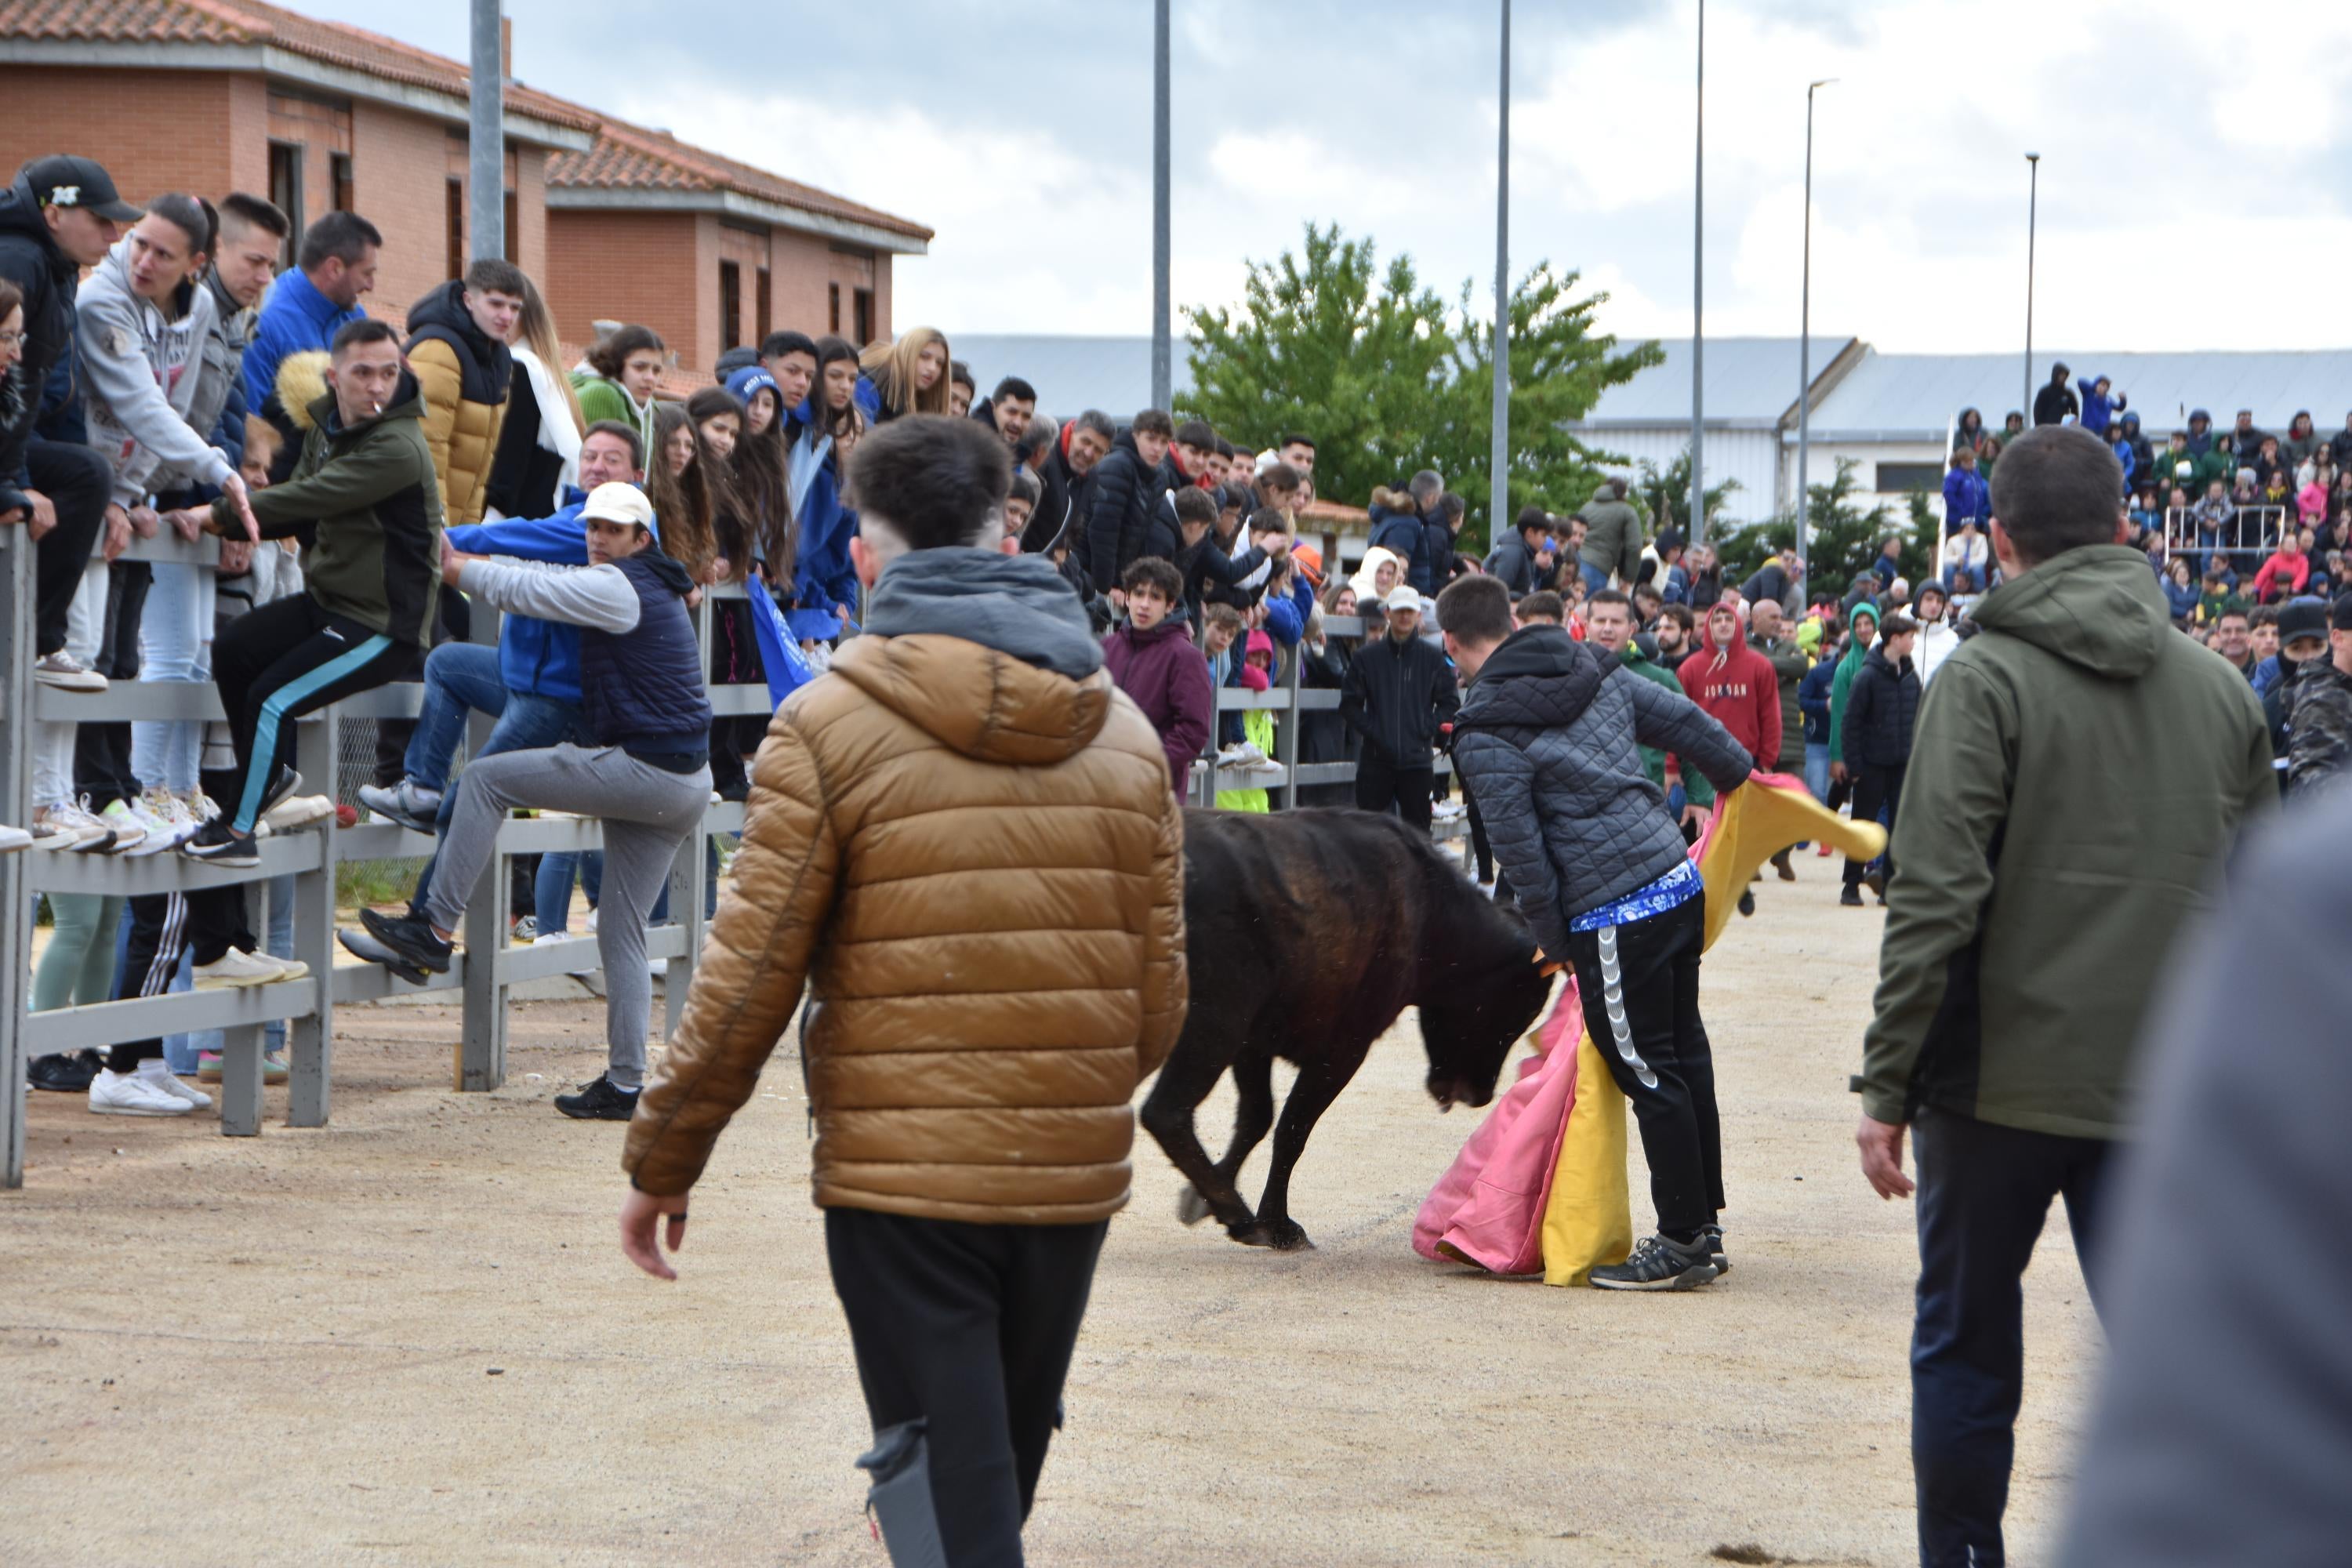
(1667, 495)
(1388, 379)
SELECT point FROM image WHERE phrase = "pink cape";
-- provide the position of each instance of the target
(1488, 1207)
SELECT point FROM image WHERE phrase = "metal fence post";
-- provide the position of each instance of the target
(1286, 745)
(482, 1038)
(311, 1042)
(16, 915)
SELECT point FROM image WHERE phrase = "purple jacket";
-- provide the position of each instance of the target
(1168, 678)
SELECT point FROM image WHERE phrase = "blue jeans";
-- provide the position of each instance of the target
(1817, 769)
(1595, 579)
(552, 894)
(176, 634)
(453, 684)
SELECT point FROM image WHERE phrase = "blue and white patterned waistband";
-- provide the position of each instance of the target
(1678, 886)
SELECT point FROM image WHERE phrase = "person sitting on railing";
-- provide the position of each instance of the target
(365, 484)
(645, 772)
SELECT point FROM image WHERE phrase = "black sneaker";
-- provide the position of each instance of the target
(1712, 1236)
(284, 782)
(1658, 1264)
(1747, 902)
(63, 1072)
(600, 1101)
(215, 845)
(362, 946)
(411, 936)
(1852, 897)
(1874, 880)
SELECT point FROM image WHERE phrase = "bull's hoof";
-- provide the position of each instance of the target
(1282, 1235)
(1190, 1207)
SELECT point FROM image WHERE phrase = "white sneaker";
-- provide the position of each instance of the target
(591, 922)
(83, 831)
(288, 968)
(115, 1093)
(12, 839)
(154, 1073)
(177, 818)
(161, 832)
(297, 810)
(67, 673)
(203, 807)
(237, 967)
(129, 831)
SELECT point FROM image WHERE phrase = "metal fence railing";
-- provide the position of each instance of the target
(2244, 538)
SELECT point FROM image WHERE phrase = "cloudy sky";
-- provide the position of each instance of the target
(2184, 202)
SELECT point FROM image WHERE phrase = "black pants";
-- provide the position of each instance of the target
(76, 480)
(968, 1329)
(102, 751)
(1984, 1192)
(158, 934)
(1646, 974)
(283, 660)
(1875, 787)
(1381, 786)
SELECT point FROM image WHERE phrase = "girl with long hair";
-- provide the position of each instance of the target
(539, 443)
(624, 371)
(910, 375)
(719, 418)
(679, 481)
(828, 422)
(763, 464)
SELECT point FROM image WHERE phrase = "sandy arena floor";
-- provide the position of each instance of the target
(410, 1338)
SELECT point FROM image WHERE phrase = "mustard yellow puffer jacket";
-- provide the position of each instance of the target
(466, 377)
(977, 865)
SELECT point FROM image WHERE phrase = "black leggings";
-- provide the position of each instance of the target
(1638, 984)
(102, 751)
(76, 480)
(1875, 787)
(281, 661)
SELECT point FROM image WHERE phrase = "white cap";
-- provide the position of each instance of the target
(617, 501)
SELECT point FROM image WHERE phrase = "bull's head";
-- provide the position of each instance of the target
(1470, 1016)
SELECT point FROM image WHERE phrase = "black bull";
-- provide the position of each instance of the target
(1307, 933)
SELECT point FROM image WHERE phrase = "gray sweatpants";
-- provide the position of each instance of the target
(648, 812)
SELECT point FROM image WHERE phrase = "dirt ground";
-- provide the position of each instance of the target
(410, 1338)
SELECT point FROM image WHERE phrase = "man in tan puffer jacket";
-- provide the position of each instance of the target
(964, 840)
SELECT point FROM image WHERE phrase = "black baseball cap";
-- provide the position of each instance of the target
(2306, 618)
(2340, 617)
(63, 180)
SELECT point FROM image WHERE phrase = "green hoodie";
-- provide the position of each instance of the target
(2079, 771)
(1843, 682)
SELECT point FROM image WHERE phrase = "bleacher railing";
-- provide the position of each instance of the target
(2247, 539)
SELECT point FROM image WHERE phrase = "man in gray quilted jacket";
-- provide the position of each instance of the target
(1549, 741)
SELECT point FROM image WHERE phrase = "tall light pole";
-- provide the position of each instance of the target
(1498, 461)
(1162, 366)
(1805, 343)
(1698, 303)
(486, 161)
(2032, 206)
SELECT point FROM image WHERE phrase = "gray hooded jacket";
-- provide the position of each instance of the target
(1548, 743)
(1018, 605)
(151, 394)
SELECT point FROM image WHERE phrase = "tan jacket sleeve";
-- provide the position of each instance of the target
(749, 978)
(1165, 990)
(433, 363)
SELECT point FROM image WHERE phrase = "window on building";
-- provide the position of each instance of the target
(832, 308)
(453, 211)
(730, 305)
(1894, 479)
(765, 299)
(338, 171)
(861, 302)
(286, 191)
(514, 228)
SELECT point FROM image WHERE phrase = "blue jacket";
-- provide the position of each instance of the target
(2181, 599)
(824, 577)
(1965, 495)
(2098, 408)
(295, 318)
(1285, 615)
(1813, 700)
(541, 657)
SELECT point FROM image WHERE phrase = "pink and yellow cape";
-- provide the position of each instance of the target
(1540, 1186)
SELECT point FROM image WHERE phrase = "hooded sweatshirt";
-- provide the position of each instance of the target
(1168, 678)
(2099, 408)
(1740, 688)
(30, 260)
(149, 400)
(1548, 742)
(465, 376)
(2078, 773)
(1848, 668)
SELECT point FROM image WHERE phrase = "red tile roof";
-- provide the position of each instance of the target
(248, 22)
(624, 156)
(631, 157)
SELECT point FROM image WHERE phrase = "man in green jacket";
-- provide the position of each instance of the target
(372, 575)
(1612, 537)
(2079, 772)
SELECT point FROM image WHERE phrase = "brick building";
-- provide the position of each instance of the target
(615, 221)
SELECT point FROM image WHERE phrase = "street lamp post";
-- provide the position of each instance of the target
(1805, 343)
(2032, 206)
(1698, 303)
(1162, 350)
(1500, 458)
